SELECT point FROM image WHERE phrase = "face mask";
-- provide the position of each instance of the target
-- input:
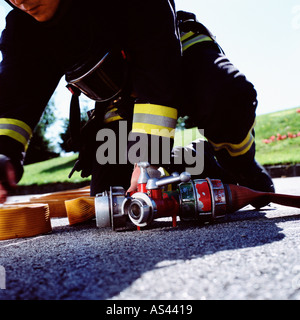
(100, 80)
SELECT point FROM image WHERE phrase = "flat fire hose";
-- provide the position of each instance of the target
(22, 221)
(56, 200)
(80, 210)
(32, 218)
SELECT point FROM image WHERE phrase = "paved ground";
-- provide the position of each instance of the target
(250, 255)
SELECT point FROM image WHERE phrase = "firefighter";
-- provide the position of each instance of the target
(44, 39)
(63, 37)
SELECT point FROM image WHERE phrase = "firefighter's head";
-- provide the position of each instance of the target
(41, 10)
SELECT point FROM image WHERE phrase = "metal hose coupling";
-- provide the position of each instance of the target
(117, 210)
(151, 202)
(195, 200)
(108, 209)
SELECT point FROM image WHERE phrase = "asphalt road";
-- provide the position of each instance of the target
(250, 255)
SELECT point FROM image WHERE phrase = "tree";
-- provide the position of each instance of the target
(40, 147)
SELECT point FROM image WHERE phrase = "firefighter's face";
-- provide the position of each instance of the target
(41, 10)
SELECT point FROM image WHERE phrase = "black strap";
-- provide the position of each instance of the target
(75, 118)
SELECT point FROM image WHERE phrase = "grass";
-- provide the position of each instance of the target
(51, 171)
(278, 152)
(282, 151)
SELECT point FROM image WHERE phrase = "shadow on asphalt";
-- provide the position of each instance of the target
(82, 262)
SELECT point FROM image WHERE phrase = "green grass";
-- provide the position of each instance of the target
(278, 152)
(51, 171)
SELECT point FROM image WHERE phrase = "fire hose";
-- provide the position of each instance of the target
(194, 200)
(20, 221)
(191, 200)
(33, 217)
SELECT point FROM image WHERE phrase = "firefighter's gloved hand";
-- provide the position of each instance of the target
(7, 177)
(81, 167)
(87, 148)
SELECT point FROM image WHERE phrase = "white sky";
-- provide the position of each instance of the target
(261, 37)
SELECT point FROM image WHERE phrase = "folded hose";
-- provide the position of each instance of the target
(32, 218)
(21, 221)
(80, 210)
(56, 200)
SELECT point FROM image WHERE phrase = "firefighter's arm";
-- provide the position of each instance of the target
(27, 81)
(155, 56)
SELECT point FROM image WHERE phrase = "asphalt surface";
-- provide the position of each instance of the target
(249, 255)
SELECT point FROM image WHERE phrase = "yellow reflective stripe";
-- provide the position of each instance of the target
(111, 116)
(16, 129)
(232, 150)
(156, 110)
(236, 150)
(154, 130)
(187, 35)
(15, 135)
(112, 110)
(18, 123)
(198, 39)
(154, 120)
(112, 119)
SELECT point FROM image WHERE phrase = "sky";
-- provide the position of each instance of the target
(260, 37)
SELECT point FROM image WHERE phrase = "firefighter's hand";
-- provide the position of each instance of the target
(134, 179)
(7, 178)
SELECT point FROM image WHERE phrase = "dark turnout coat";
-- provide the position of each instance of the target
(168, 72)
(36, 56)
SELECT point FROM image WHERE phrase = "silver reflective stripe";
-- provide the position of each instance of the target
(195, 39)
(17, 129)
(154, 119)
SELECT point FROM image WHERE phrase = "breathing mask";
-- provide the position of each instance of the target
(100, 79)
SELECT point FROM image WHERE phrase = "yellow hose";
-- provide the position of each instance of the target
(27, 219)
(21, 221)
(80, 210)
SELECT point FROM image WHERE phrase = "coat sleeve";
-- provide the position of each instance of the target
(28, 79)
(155, 56)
